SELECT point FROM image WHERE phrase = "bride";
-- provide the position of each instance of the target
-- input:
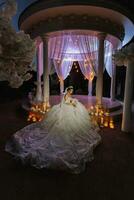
(64, 140)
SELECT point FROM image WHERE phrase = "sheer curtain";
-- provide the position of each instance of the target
(88, 46)
(57, 53)
(111, 68)
(92, 44)
(108, 58)
(67, 48)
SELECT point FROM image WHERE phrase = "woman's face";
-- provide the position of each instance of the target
(70, 91)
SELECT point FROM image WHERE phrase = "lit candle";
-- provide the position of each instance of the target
(28, 119)
(91, 107)
(44, 106)
(111, 125)
(106, 123)
(102, 120)
(107, 113)
(34, 119)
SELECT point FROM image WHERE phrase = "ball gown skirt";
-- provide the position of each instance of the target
(64, 140)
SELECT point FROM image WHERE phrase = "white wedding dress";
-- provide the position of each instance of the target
(64, 140)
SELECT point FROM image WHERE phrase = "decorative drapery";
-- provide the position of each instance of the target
(68, 48)
(63, 50)
(108, 61)
(88, 46)
(80, 48)
(63, 69)
(59, 46)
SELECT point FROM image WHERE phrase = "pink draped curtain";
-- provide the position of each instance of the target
(57, 53)
(65, 49)
(88, 46)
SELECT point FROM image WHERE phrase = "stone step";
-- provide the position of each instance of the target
(115, 108)
(117, 115)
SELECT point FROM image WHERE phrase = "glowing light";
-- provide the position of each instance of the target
(101, 116)
(106, 124)
(58, 61)
(68, 59)
(38, 111)
(91, 76)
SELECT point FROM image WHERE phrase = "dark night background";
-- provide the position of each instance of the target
(75, 78)
(110, 176)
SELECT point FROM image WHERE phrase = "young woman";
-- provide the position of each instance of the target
(64, 140)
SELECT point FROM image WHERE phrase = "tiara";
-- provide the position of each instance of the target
(70, 87)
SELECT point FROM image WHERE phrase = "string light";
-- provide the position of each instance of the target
(91, 76)
(58, 61)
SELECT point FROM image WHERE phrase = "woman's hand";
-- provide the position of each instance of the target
(73, 103)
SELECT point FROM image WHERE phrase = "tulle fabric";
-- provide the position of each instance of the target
(64, 140)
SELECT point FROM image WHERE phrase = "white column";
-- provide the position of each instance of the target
(38, 97)
(46, 88)
(113, 81)
(127, 108)
(89, 87)
(99, 84)
(61, 86)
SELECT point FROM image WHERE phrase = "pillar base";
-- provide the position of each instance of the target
(126, 129)
(46, 106)
(113, 99)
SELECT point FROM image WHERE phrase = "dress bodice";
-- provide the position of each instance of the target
(69, 100)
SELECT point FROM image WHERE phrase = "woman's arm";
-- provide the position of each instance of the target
(69, 101)
(73, 102)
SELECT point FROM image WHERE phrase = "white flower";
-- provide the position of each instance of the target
(122, 56)
(16, 51)
(27, 76)
(9, 9)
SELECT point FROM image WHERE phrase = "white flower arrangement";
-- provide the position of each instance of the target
(122, 56)
(16, 49)
(9, 9)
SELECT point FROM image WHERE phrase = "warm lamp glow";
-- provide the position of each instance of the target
(106, 124)
(58, 61)
(91, 76)
(101, 116)
(38, 111)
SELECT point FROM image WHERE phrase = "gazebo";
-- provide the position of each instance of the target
(89, 32)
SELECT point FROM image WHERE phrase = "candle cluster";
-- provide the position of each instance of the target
(37, 112)
(101, 116)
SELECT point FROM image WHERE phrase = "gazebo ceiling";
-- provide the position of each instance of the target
(43, 17)
(115, 41)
